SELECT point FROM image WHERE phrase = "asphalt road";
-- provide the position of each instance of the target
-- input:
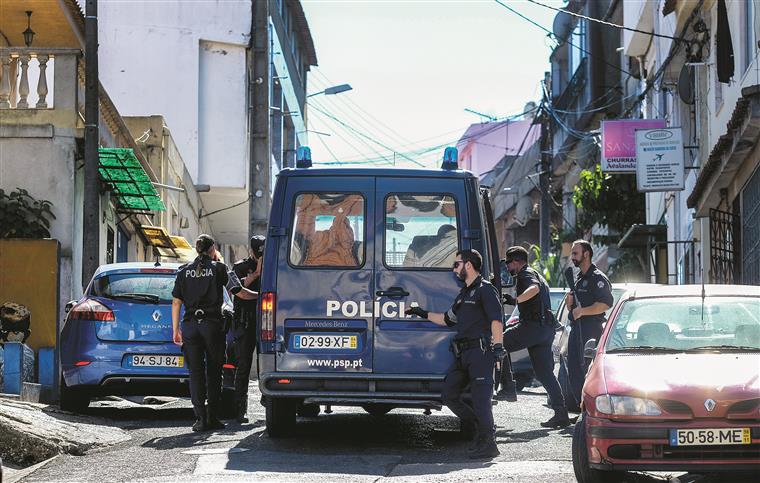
(347, 445)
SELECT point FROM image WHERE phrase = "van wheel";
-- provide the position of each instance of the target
(281, 416)
(583, 472)
(75, 400)
(378, 409)
(308, 410)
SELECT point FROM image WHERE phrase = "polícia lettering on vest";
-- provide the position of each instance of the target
(199, 272)
(365, 308)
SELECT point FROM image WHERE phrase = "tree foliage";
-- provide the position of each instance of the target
(22, 216)
(610, 200)
(548, 266)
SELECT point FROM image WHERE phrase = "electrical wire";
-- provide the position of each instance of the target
(382, 158)
(604, 22)
(551, 34)
(204, 215)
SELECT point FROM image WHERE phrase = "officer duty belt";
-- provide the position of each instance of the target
(464, 344)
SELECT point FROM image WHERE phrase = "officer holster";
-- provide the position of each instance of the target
(458, 346)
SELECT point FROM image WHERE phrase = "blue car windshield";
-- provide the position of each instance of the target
(686, 324)
(134, 285)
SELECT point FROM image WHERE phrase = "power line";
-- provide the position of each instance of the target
(604, 22)
(551, 34)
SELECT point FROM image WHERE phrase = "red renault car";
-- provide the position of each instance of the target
(674, 384)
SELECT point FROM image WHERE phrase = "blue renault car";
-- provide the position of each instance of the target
(117, 339)
(348, 251)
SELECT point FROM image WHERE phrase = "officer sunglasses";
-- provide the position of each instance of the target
(508, 261)
(457, 263)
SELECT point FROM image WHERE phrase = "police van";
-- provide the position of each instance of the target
(348, 251)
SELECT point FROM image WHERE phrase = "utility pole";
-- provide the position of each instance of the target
(259, 171)
(543, 179)
(91, 208)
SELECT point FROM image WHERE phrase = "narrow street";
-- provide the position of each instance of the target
(343, 446)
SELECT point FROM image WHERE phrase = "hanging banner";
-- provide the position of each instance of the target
(659, 155)
(619, 143)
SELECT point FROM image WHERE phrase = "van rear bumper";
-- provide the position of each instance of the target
(356, 388)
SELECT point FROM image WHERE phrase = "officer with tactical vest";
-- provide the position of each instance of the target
(477, 316)
(535, 330)
(244, 321)
(590, 298)
(199, 287)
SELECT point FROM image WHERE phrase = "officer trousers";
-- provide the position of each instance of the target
(203, 344)
(537, 338)
(473, 367)
(580, 333)
(245, 343)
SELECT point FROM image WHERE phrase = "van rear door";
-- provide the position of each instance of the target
(325, 276)
(418, 231)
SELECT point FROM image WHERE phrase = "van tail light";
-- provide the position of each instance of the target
(268, 301)
(82, 363)
(91, 309)
(228, 366)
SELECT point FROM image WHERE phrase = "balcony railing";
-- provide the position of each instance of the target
(23, 69)
(574, 87)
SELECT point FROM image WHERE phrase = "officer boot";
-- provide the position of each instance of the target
(468, 430)
(200, 421)
(212, 421)
(559, 420)
(486, 448)
(242, 410)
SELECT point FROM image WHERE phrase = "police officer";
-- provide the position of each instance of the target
(244, 322)
(199, 287)
(477, 316)
(535, 330)
(593, 297)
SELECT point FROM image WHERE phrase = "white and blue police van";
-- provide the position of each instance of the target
(348, 251)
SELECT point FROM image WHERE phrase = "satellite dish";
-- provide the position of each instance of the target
(562, 26)
(686, 84)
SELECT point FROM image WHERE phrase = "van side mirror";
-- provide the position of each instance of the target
(589, 350)
(507, 280)
(69, 305)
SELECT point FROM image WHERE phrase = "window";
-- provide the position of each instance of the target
(750, 34)
(420, 231)
(126, 285)
(578, 47)
(109, 245)
(328, 230)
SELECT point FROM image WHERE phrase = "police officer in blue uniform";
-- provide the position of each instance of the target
(593, 297)
(477, 316)
(244, 325)
(199, 287)
(535, 330)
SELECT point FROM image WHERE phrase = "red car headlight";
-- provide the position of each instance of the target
(626, 406)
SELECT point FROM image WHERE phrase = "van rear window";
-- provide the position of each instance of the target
(420, 231)
(329, 230)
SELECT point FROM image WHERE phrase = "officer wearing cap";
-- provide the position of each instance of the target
(535, 330)
(244, 325)
(593, 297)
(477, 316)
(199, 287)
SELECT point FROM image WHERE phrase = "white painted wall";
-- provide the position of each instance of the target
(150, 63)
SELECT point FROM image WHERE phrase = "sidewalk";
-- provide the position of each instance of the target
(31, 433)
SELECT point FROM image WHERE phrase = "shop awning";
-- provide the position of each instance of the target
(169, 246)
(130, 186)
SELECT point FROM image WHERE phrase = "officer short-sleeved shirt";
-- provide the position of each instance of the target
(531, 308)
(591, 287)
(474, 308)
(241, 268)
(199, 285)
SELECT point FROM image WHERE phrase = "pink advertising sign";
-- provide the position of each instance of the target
(619, 143)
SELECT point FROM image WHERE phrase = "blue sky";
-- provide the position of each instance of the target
(415, 66)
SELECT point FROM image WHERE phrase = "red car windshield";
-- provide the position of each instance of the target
(686, 324)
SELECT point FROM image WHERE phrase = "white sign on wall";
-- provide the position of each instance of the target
(659, 159)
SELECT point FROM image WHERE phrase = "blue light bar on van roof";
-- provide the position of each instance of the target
(450, 157)
(303, 157)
